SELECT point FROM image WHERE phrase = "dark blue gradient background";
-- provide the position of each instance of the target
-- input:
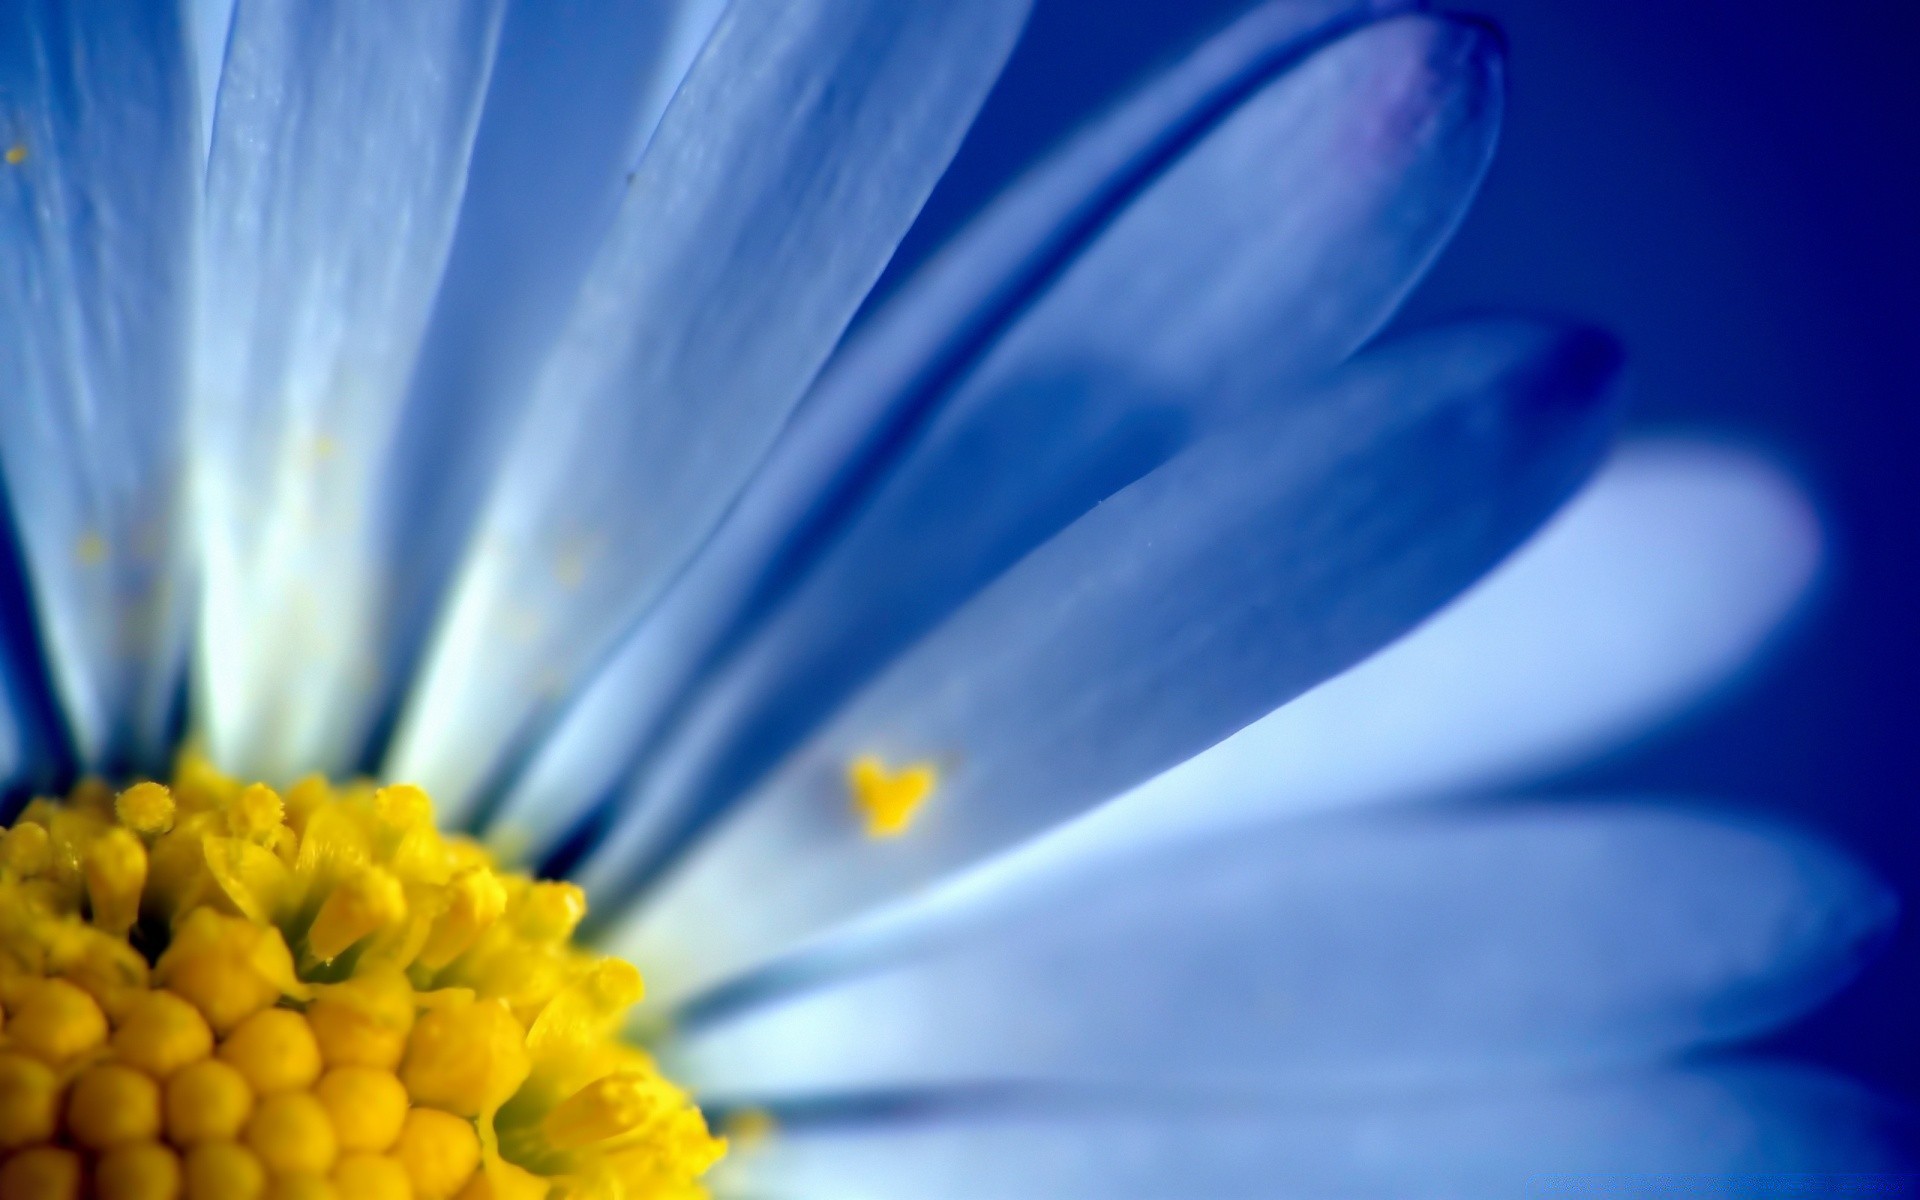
(1733, 188)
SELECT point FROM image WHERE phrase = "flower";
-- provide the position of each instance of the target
(423, 392)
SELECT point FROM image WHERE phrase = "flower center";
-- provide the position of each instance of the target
(212, 990)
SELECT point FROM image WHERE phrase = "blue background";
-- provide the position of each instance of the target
(1733, 188)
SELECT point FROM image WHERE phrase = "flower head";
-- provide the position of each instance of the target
(468, 394)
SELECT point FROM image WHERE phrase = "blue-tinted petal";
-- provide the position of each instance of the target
(339, 158)
(1252, 566)
(1405, 950)
(783, 174)
(1706, 1132)
(1269, 247)
(1662, 580)
(98, 198)
(577, 92)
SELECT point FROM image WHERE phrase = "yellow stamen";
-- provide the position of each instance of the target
(116, 876)
(146, 808)
(890, 800)
(371, 899)
(16, 154)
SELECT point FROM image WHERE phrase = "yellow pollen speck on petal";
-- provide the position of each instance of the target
(210, 989)
(751, 1127)
(16, 154)
(889, 800)
(90, 550)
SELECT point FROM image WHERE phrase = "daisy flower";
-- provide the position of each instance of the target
(461, 561)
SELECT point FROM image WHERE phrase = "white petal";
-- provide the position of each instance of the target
(1660, 582)
(785, 171)
(98, 214)
(1699, 1133)
(339, 158)
(1404, 949)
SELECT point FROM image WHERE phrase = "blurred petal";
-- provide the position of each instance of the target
(1309, 210)
(1403, 950)
(785, 171)
(1657, 583)
(98, 199)
(578, 91)
(1698, 1133)
(324, 249)
(1249, 568)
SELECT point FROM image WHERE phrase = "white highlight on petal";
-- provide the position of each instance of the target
(794, 157)
(339, 159)
(1654, 587)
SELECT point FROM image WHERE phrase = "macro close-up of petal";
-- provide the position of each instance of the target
(557, 644)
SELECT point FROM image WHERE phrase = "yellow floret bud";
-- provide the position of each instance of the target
(364, 1022)
(161, 1033)
(256, 814)
(56, 1021)
(29, 1101)
(228, 967)
(292, 1135)
(42, 1173)
(274, 1050)
(375, 1177)
(504, 1181)
(475, 900)
(207, 1102)
(26, 850)
(111, 1104)
(466, 1059)
(138, 1171)
(550, 911)
(116, 868)
(301, 1187)
(368, 900)
(367, 1106)
(402, 808)
(439, 1151)
(223, 1171)
(146, 808)
(605, 1109)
